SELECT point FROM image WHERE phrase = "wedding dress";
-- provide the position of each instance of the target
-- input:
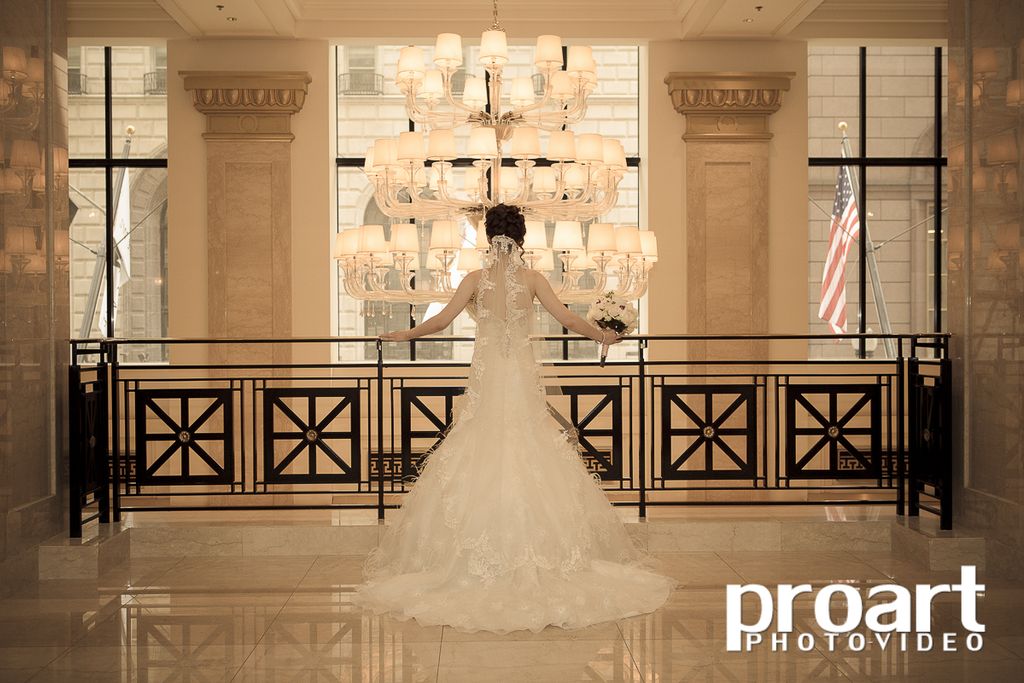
(505, 528)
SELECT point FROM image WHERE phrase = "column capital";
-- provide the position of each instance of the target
(247, 105)
(727, 105)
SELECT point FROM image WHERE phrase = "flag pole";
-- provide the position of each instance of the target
(869, 249)
(98, 274)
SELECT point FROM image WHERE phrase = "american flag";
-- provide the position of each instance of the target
(844, 230)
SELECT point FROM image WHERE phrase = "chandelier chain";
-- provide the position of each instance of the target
(496, 26)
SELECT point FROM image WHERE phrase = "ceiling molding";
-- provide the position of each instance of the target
(178, 14)
(279, 15)
(796, 17)
(699, 17)
(594, 20)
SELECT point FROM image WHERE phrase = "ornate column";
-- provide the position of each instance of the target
(248, 216)
(727, 136)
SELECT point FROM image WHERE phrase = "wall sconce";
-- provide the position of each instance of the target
(15, 64)
(22, 244)
(1002, 153)
(22, 80)
(1013, 93)
(1007, 236)
(986, 63)
(10, 183)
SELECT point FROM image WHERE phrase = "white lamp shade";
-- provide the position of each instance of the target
(525, 143)
(649, 245)
(385, 153)
(601, 239)
(590, 148)
(410, 63)
(25, 155)
(448, 50)
(20, 240)
(522, 92)
(441, 145)
(471, 180)
(36, 70)
(1013, 92)
(475, 93)
(549, 52)
(60, 160)
(509, 184)
(445, 235)
(10, 183)
(480, 240)
(574, 177)
(568, 236)
(546, 261)
(536, 236)
(562, 86)
(371, 240)
(368, 165)
(404, 238)
(61, 243)
(1000, 149)
(493, 47)
(482, 143)
(544, 180)
(432, 87)
(580, 60)
(614, 154)
(411, 147)
(584, 262)
(15, 63)
(562, 146)
(469, 259)
(338, 249)
(627, 240)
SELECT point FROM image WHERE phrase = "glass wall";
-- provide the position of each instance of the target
(118, 191)
(892, 102)
(370, 106)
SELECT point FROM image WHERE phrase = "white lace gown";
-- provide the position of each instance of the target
(505, 528)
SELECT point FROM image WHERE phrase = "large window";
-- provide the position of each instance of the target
(370, 106)
(892, 100)
(118, 192)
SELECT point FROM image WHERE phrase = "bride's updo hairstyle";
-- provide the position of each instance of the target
(505, 219)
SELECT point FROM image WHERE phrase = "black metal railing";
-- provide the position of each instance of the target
(155, 82)
(361, 83)
(241, 422)
(78, 82)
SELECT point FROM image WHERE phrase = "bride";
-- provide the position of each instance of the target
(505, 528)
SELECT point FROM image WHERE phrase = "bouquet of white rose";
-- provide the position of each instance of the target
(610, 313)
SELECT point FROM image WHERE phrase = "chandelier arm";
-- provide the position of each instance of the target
(536, 106)
(446, 86)
(431, 117)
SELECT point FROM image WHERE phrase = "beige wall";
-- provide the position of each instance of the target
(666, 183)
(986, 277)
(34, 306)
(312, 179)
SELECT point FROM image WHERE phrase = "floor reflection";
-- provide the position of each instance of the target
(291, 619)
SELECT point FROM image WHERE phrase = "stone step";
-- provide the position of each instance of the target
(101, 548)
(919, 540)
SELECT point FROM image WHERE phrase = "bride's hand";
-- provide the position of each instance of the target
(397, 336)
(612, 338)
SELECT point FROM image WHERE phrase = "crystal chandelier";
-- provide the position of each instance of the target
(575, 180)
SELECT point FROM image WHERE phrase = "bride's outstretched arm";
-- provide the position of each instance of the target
(569, 320)
(445, 316)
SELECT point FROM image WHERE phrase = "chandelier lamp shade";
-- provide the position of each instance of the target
(499, 140)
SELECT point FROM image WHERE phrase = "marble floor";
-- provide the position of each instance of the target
(290, 619)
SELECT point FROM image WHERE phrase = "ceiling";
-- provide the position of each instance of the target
(594, 19)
